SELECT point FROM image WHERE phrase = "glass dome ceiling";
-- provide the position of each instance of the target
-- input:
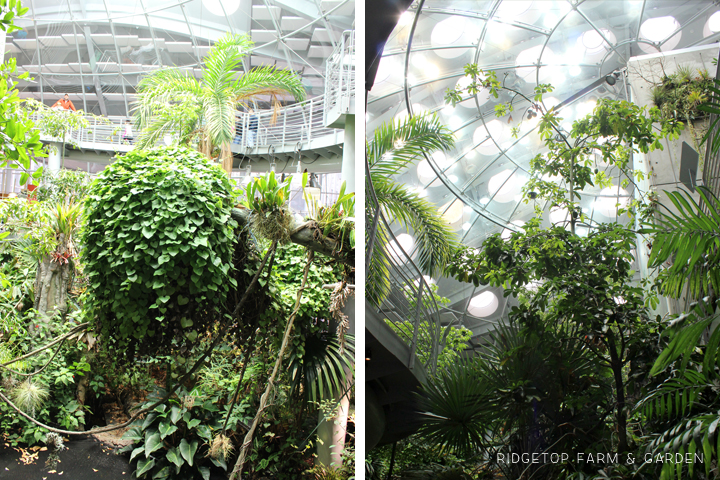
(570, 44)
(96, 50)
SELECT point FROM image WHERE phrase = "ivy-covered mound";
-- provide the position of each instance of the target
(158, 248)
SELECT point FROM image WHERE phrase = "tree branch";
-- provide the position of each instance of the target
(307, 235)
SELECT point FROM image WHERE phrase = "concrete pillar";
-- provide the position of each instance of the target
(332, 433)
(54, 157)
(348, 160)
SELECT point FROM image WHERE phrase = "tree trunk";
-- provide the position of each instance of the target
(52, 282)
(616, 366)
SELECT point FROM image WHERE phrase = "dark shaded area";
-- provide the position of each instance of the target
(85, 459)
(385, 15)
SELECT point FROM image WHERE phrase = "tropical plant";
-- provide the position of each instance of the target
(601, 301)
(30, 395)
(392, 149)
(173, 441)
(19, 141)
(171, 101)
(58, 122)
(684, 405)
(69, 186)
(528, 392)
(687, 241)
(267, 199)
(321, 371)
(158, 248)
(336, 221)
(614, 130)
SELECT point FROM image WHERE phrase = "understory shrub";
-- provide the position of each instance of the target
(158, 248)
(172, 441)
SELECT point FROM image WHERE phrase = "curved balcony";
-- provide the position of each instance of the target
(296, 127)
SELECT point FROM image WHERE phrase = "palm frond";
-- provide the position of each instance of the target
(691, 241)
(395, 145)
(321, 369)
(161, 88)
(433, 237)
(377, 284)
(454, 409)
(219, 117)
(267, 81)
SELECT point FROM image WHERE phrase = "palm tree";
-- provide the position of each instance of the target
(689, 241)
(392, 149)
(171, 101)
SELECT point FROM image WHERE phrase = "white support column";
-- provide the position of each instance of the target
(54, 157)
(348, 160)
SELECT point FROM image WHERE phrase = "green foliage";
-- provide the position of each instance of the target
(267, 199)
(317, 369)
(391, 150)
(69, 186)
(54, 390)
(29, 223)
(689, 241)
(172, 441)
(451, 340)
(171, 101)
(322, 369)
(678, 95)
(158, 247)
(614, 130)
(336, 221)
(19, 141)
(265, 194)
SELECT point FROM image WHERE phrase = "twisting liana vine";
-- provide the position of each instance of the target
(270, 389)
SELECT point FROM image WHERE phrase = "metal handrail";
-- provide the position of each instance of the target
(340, 75)
(302, 123)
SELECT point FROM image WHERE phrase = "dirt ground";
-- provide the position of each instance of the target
(86, 459)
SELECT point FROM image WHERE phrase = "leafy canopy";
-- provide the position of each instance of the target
(158, 246)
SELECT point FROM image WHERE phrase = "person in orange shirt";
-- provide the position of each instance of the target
(65, 103)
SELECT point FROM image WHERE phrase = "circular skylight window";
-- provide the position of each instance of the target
(529, 57)
(452, 213)
(222, 7)
(591, 44)
(448, 33)
(406, 243)
(484, 304)
(558, 215)
(658, 30)
(712, 25)
(499, 132)
(503, 187)
(425, 172)
(483, 94)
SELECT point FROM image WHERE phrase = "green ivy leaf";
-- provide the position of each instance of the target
(154, 442)
(144, 466)
(187, 450)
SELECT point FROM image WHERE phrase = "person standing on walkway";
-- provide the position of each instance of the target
(128, 133)
(65, 103)
(253, 125)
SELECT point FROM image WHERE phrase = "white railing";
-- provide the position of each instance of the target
(300, 123)
(340, 75)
